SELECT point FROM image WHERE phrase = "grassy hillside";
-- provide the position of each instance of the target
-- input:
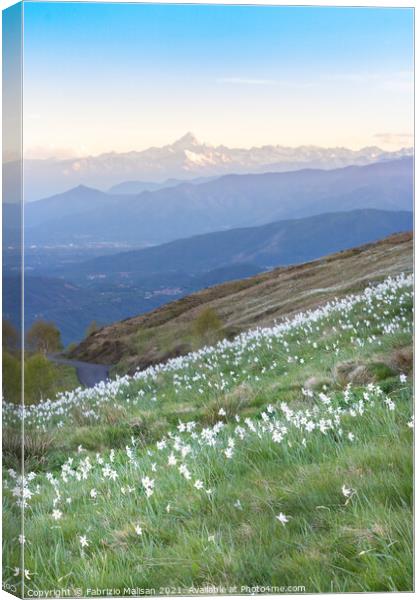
(282, 458)
(260, 300)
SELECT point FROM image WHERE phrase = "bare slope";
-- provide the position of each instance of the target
(168, 331)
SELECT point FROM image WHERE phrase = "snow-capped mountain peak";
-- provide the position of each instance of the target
(187, 141)
(188, 158)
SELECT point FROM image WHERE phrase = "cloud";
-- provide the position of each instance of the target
(394, 138)
(50, 152)
(398, 81)
(281, 83)
(393, 82)
(246, 81)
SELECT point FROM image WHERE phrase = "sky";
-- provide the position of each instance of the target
(122, 77)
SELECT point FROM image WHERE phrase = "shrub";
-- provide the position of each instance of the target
(11, 378)
(44, 337)
(10, 336)
(71, 347)
(207, 326)
(40, 379)
(92, 327)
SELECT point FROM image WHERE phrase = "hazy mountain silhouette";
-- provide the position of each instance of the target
(186, 158)
(232, 201)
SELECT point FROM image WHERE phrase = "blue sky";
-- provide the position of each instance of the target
(102, 77)
(12, 78)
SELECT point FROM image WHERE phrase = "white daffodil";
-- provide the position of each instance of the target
(347, 492)
(228, 452)
(172, 459)
(282, 518)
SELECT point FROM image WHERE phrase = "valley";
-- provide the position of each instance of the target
(167, 332)
(75, 285)
(103, 256)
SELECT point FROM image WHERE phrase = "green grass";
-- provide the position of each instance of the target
(66, 377)
(193, 539)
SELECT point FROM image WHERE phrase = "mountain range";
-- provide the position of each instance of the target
(117, 286)
(136, 187)
(186, 158)
(281, 243)
(193, 216)
(83, 215)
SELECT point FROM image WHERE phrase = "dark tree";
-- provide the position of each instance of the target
(44, 337)
(10, 336)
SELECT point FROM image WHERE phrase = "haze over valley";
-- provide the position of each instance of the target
(84, 215)
(95, 255)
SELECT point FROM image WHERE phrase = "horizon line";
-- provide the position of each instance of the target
(77, 156)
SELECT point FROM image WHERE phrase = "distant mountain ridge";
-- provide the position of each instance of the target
(118, 286)
(137, 187)
(281, 243)
(186, 158)
(83, 215)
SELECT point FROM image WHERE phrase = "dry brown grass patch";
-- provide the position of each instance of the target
(232, 403)
(353, 372)
(401, 359)
(37, 445)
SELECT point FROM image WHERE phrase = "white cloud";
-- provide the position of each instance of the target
(395, 138)
(246, 81)
(389, 81)
(51, 151)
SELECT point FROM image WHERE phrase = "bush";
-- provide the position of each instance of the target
(40, 379)
(44, 337)
(71, 347)
(208, 327)
(11, 378)
(10, 336)
(92, 328)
